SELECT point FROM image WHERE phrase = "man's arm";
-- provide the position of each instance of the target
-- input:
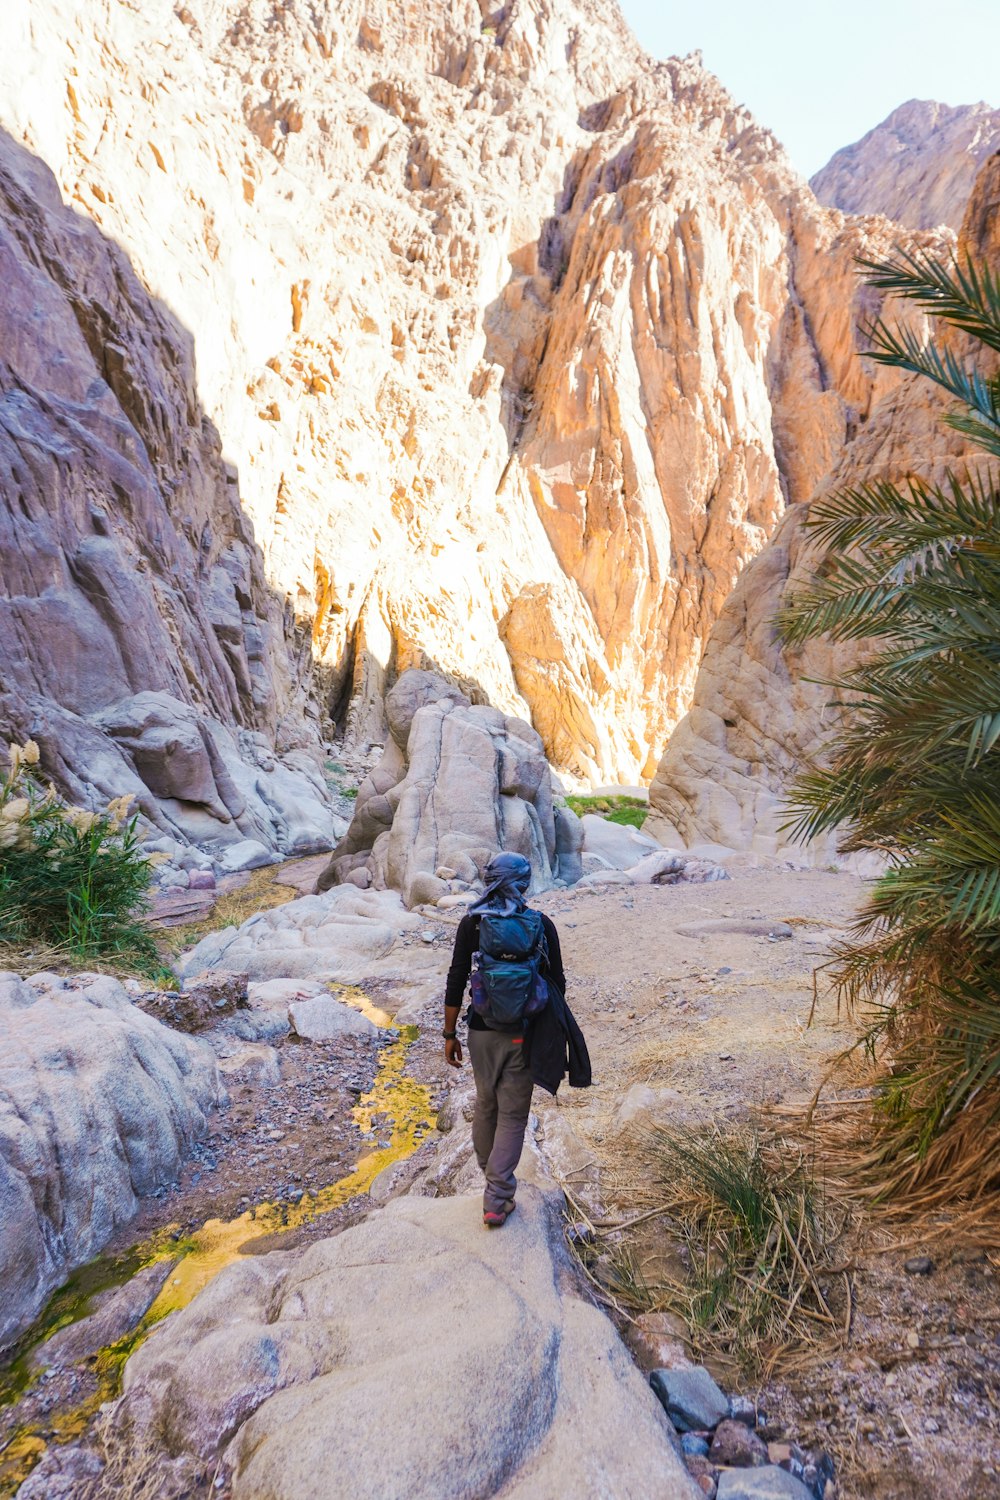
(458, 978)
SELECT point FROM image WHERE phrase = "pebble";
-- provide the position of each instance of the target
(691, 1398)
(737, 1446)
(918, 1265)
(694, 1444)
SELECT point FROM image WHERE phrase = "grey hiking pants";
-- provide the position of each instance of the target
(503, 1103)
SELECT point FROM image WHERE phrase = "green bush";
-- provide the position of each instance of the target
(69, 877)
(630, 811)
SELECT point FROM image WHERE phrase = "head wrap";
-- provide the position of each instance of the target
(507, 877)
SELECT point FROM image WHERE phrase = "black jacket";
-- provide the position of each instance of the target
(554, 1046)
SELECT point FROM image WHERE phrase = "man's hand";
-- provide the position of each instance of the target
(453, 1053)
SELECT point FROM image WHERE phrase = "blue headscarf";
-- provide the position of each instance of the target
(507, 879)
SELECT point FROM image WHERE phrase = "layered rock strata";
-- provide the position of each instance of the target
(917, 167)
(516, 342)
(98, 1105)
(285, 1367)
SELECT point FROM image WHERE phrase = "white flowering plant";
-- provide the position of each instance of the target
(69, 876)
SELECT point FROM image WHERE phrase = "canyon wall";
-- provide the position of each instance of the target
(918, 166)
(762, 711)
(508, 345)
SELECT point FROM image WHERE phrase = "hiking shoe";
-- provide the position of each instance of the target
(497, 1218)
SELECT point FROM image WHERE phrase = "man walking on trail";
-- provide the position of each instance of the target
(521, 1030)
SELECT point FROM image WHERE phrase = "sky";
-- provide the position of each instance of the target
(821, 74)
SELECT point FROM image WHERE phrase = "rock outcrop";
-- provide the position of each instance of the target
(516, 342)
(457, 782)
(295, 1370)
(98, 1104)
(917, 167)
(761, 711)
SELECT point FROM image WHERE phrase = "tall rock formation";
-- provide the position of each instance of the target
(917, 166)
(761, 711)
(516, 345)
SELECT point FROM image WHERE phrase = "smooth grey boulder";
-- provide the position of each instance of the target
(766, 1483)
(413, 1357)
(322, 1019)
(620, 846)
(457, 783)
(99, 1104)
(691, 1398)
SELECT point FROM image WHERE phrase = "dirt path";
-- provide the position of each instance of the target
(695, 1000)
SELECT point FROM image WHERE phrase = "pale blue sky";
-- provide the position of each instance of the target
(819, 75)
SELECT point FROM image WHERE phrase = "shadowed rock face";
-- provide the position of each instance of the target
(519, 341)
(761, 711)
(457, 783)
(139, 643)
(917, 167)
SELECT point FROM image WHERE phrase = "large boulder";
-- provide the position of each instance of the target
(457, 782)
(99, 1103)
(412, 1357)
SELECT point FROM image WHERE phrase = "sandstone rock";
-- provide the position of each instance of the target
(98, 1104)
(116, 1312)
(118, 523)
(248, 854)
(917, 167)
(643, 1107)
(621, 846)
(457, 783)
(760, 710)
(287, 1364)
(659, 1341)
(571, 328)
(323, 1019)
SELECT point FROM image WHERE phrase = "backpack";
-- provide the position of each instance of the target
(507, 983)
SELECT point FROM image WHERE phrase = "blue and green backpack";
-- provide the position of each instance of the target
(507, 983)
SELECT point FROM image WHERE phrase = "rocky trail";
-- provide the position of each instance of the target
(696, 1002)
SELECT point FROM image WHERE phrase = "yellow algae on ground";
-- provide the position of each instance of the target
(395, 1104)
(404, 1102)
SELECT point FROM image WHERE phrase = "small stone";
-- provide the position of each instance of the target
(918, 1265)
(930, 1425)
(695, 1444)
(913, 1339)
(767, 1483)
(691, 1398)
(737, 1446)
(201, 880)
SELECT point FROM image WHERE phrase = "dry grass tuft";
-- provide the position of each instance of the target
(736, 1235)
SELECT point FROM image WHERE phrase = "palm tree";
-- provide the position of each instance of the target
(913, 571)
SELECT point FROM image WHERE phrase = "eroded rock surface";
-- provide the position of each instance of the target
(517, 344)
(457, 782)
(917, 167)
(761, 710)
(500, 1378)
(98, 1105)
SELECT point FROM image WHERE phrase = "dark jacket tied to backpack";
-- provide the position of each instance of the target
(553, 1042)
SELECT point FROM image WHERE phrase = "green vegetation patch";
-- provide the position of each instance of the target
(630, 811)
(71, 878)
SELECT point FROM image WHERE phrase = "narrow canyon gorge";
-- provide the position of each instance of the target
(410, 415)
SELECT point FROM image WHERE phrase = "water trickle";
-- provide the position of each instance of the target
(396, 1106)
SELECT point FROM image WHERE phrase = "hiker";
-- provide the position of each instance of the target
(520, 1029)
